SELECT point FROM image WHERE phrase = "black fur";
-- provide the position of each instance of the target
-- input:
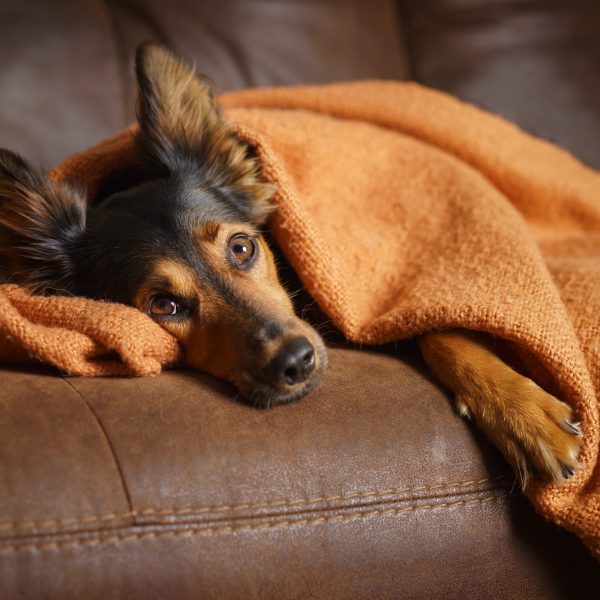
(129, 230)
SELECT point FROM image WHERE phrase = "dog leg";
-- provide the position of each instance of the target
(531, 428)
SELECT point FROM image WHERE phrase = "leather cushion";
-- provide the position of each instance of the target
(369, 487)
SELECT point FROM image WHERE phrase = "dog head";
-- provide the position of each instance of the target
(184, 245)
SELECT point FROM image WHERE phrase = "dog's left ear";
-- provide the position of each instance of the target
(181, 131)
(40, 221)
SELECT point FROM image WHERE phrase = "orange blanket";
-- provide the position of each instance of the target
(403, 210)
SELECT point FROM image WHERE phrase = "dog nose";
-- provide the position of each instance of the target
(293, 363)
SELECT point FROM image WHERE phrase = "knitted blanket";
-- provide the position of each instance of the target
(403, 210)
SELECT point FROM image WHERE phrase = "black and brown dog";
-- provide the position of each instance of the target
(184, 246)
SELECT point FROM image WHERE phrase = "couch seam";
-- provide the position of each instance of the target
(207, 531)
(121, 56)
(405, 23)
(234, 507)
(112, 452)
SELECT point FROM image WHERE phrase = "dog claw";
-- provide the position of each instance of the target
(463, 409)
(567, 471)
(574, 428)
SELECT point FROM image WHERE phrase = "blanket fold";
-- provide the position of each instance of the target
(403, 210)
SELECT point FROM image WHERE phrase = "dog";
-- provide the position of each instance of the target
(184, 245)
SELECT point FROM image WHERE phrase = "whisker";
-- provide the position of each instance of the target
(295, 293)
(306, 308)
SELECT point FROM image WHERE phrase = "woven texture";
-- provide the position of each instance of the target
(403, 210)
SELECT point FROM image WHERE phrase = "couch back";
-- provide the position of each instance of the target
(66, 65)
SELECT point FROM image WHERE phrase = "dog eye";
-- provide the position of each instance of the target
(163, 306)
(242, 249)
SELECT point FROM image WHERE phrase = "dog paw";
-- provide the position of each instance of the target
(533, 429)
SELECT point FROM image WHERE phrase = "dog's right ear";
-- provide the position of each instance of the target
(181, 130)
(39, 221)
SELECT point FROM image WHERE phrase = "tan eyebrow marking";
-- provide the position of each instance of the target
(169, 277)
(209, 230)
(181, 279)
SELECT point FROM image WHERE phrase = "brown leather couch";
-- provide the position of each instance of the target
(371, 487)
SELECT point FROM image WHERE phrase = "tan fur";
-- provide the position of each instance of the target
(217, 336)
(208, 231)
(532, 428)
(179, 276)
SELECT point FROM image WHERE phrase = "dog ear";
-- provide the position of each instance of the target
(39, 221)
(181, 130)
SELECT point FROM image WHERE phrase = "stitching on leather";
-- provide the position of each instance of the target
(230, 529)
(237, 507)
